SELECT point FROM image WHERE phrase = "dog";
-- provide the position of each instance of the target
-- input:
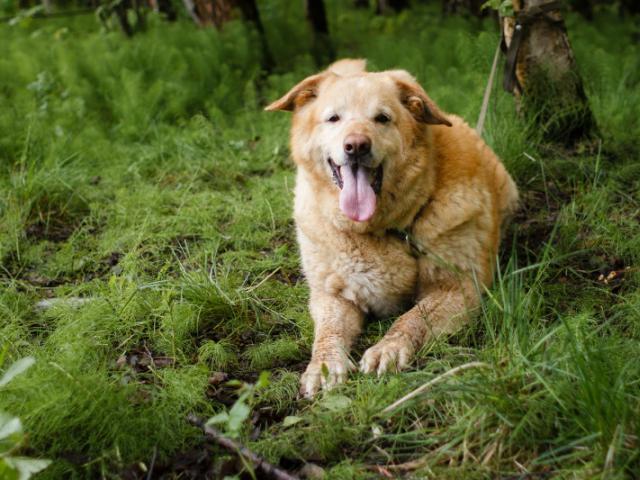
(398, 210)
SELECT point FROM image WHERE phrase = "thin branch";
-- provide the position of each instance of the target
(431, 383)
(191, 10)
(153, 463)
(259, 463)
(487, 92)
(408, 466)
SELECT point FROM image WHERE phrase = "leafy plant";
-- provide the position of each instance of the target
(504, 7)
(12, 436)
(233, 420)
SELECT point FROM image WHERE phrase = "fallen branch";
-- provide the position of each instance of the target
(407, 466)
(431, 383)
(259, 463)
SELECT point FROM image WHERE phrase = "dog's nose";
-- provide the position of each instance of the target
(357, 145)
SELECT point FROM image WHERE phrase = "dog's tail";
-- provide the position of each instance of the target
(348, 66)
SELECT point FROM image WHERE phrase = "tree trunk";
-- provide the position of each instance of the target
(631, 7)
(217, 11)
(541, 71)
(384, 6)
(209, 12)
(473, 7)
(166, 8)
(121, 13)
(322, 49)
(584, 8)
(141, 14)
(251, 13)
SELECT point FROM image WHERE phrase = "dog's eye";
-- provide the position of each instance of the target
(333, 118)
(382, 118)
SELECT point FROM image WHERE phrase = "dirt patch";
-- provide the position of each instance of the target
(55, 220)
(532, 225)
(50, 229)
(202, 461)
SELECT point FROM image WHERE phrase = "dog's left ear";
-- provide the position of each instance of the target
(416, 100)
(301, 94)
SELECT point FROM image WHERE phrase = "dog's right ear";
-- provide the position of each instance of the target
(299, 95)
(416, 100)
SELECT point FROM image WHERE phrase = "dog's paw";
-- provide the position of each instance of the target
(391, 353)
(324, 373)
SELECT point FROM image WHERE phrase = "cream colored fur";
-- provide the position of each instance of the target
(440, 180)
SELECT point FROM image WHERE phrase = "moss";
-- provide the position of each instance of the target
(217, 355)
(273, 353)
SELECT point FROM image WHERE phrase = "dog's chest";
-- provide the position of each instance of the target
(376, 274)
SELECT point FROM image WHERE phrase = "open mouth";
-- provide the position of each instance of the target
(376, 183)
(359, 187)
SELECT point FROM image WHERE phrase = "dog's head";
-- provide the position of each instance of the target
(354, 130)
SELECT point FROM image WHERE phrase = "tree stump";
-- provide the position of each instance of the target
(541, 72)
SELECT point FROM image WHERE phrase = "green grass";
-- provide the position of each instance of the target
(141, 174)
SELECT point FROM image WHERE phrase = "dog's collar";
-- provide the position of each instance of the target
(415, 248)
(404, 234)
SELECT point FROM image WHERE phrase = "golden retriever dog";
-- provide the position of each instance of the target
(398, 209)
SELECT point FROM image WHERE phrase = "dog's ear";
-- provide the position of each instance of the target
(416, 100)
(299, 95)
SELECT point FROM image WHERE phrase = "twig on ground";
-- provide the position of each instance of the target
(407, 466)
(385, 470)
(153, 462)
(73, 302)
(432, 382)
(382, 471)
(227, 443)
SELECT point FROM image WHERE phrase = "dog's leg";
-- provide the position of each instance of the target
(337, 323)
(442, 310)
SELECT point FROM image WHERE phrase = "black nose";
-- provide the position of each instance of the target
(357, 145)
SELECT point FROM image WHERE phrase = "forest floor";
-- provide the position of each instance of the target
(142, 176)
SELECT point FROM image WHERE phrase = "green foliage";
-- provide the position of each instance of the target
(233, 421)
(281, 392)
(272, 353)
(146, 196)
(217, 355)
(11, 433)
(504, 7)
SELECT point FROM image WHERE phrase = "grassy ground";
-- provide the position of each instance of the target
(142, 174)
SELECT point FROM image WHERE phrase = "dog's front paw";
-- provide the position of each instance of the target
(324, 373)
(391, 353)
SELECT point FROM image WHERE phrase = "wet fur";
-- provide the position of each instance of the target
(441, 181)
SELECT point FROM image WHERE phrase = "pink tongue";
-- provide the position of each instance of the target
(357, 198)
